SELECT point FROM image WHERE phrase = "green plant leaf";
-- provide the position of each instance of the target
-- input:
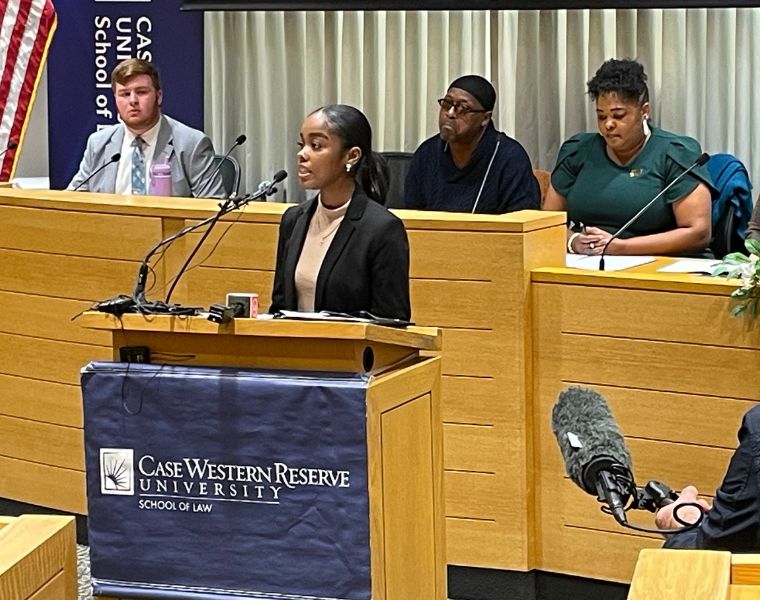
(752, 246)
(736, 258)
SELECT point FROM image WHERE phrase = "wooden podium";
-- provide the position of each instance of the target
(403, 422)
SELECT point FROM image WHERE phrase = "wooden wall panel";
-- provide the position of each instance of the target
(474, 353)
(75, 233)
(47, 360)
(472, 542)
(244, 246)
(474, 495)
(43, 401)
(475, 400)
(434, 257)
(680, 416)
(47, 318)
(703, 370)
(477, 448)
(74, 277)
(32, 441)
(43, 485)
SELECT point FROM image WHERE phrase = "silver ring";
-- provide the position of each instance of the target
(591, 245)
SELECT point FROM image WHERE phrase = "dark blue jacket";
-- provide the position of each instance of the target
(731, 181)
(733, 523)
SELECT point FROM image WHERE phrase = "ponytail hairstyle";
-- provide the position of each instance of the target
(351, 126)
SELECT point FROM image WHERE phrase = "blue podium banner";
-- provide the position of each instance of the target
(216, 483)
(93, 36)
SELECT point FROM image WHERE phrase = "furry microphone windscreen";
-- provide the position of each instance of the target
(585, 429)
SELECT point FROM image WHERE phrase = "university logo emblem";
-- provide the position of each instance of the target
(117, 471)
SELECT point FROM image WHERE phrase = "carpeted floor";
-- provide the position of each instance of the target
(83, 572)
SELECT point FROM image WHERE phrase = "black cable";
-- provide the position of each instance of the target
(686, 525)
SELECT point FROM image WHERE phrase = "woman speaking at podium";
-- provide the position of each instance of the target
(342, 251)
(603, 179)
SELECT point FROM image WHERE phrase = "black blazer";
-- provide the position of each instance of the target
(366, 266)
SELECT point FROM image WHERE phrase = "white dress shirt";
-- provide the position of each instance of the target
(124, 172)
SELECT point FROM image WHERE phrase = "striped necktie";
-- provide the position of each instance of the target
(138, 167)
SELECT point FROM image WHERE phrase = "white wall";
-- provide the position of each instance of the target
(33, 161)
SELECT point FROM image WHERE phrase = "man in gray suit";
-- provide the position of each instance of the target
(145, 136)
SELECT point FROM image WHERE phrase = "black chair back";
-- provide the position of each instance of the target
(398, 166)
(230, 171)
(726, 238)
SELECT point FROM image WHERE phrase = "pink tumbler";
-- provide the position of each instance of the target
(160, 179)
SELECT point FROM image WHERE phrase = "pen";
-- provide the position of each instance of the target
(583, 228)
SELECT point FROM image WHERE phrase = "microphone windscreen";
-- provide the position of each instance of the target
(585, 429)
(116, 157)
(279, 176)
(240, 139)
(12, 144)
(702, 159)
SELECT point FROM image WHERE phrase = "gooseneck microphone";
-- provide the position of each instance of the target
(266, 188)
(239, 141)
(137, 302)
(12, 145)
(114, 159)
(597, 459)
(703, 158)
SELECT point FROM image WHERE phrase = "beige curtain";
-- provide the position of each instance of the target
(266, 70)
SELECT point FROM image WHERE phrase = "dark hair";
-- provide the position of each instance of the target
(350, 125)
(625, 77)
(134, 66)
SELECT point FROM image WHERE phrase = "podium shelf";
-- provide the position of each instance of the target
(268, 343)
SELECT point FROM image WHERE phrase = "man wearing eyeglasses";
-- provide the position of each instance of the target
(470, 166)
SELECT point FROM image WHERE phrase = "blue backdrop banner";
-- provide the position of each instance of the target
(211, 483)
(93, 36)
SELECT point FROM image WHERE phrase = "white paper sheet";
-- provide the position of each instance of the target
(611, 263)
(691, 265)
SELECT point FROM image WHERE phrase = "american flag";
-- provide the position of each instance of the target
(25, 36)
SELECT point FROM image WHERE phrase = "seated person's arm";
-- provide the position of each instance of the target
(581, 242)
(690, 514)
(693, 231)
(733, 522)
(753, 227)
(554, 200)
(664, 517)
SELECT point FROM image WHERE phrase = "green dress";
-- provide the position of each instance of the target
(603, 194)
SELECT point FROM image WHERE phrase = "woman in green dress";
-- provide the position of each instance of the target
(603, 179)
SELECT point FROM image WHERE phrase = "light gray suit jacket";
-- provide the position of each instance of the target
(188, 150)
